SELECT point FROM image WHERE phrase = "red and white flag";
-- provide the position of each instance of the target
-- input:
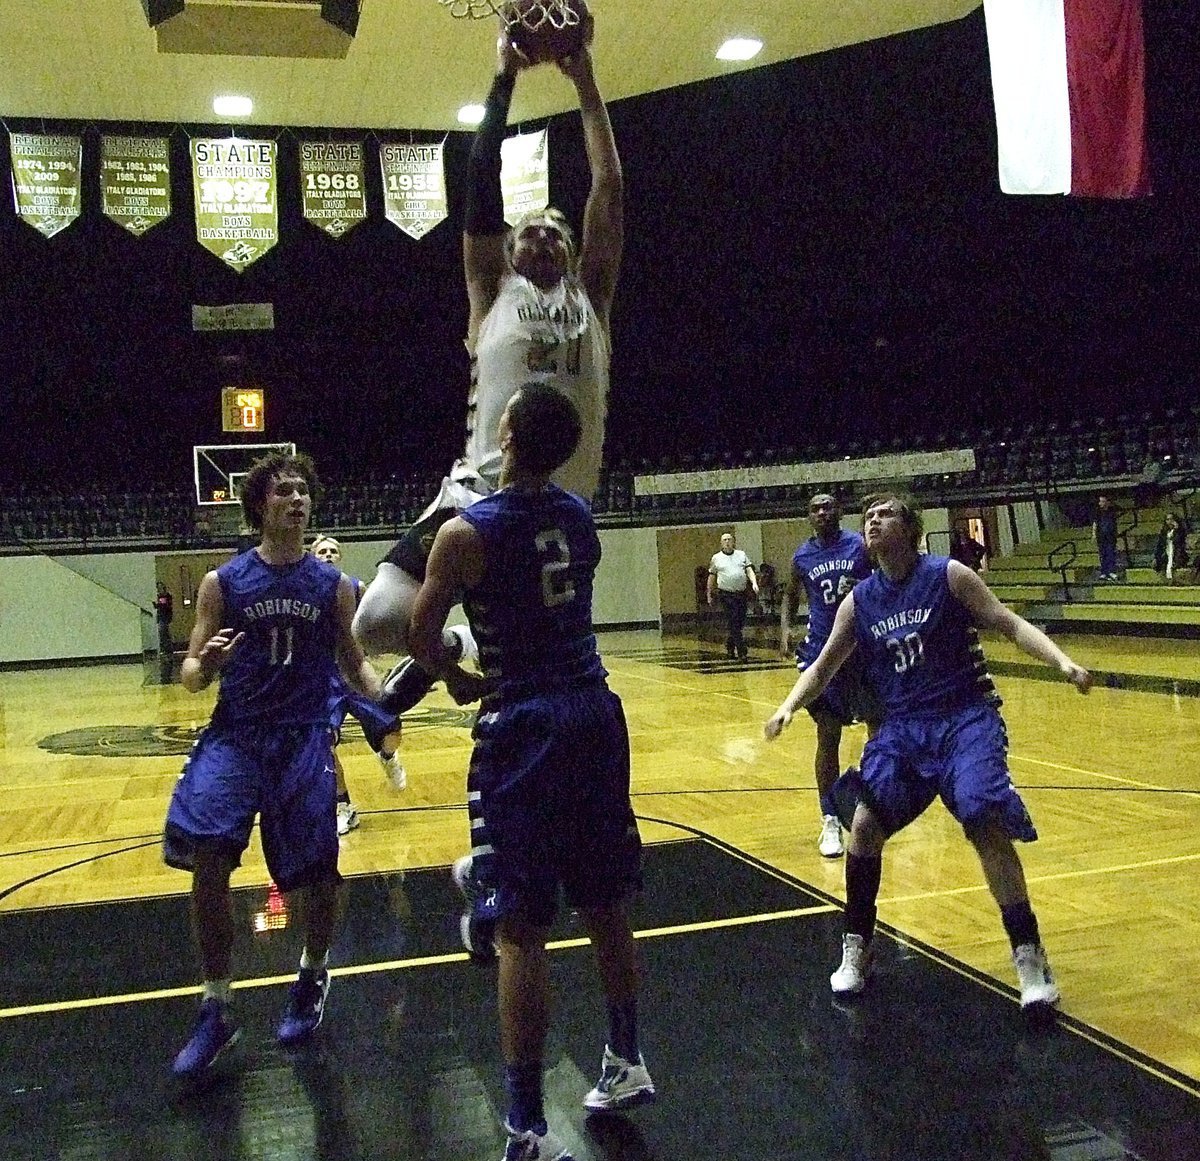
(1068, 80)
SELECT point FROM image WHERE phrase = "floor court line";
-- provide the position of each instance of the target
(407, 964)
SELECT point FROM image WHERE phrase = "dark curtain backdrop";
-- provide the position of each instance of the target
(817, 252)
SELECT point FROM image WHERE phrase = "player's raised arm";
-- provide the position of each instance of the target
(812, 681)
(604, 214)
(987, 612)
(484, 228)
(210, 646)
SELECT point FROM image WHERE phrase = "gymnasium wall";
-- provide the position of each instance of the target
(95, 606)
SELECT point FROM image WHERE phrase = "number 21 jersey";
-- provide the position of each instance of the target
(535, 336)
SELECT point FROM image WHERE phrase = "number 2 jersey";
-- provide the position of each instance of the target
(827, 573)
(535, 336)
(282, 672)
(921, 649)
(531, 613)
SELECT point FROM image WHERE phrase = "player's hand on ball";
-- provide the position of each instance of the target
(776, 723)
(579, 63)
(509, 57)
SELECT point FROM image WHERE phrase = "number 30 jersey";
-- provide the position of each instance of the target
(281, 673)
(531, 614)
(921, 649)
(536, 336)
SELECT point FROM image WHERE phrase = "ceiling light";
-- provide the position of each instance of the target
(739, 48)
(471, 114)
(233, 106)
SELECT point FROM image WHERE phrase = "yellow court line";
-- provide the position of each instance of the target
(1145, 864)
(403, 964)
(1091, 773)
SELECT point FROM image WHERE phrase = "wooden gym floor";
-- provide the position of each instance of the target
(740, 921)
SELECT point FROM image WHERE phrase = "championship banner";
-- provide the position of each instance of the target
(525, 174)
(135, 181)
(46, 179)
(332, 184)
(414, 186)
(237, 216)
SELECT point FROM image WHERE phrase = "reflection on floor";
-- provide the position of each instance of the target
(752, 1058)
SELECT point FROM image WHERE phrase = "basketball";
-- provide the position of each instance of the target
(551, 39)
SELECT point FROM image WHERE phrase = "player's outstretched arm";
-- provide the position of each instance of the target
(813, 680)
(604, 215)
(987, 612)
(210, 647)
(456, 562)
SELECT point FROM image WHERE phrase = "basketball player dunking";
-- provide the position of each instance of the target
(539, 313)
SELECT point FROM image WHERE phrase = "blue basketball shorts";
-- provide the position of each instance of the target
(376, 722)
(849, 697)
(548, 800)
(960, 756)
(284, 775)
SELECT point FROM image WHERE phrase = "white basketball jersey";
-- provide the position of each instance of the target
(536, 336)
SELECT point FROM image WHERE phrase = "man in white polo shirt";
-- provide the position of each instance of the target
(731, 577)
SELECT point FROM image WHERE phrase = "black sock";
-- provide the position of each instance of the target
(523, 1085)
(862, 889)
(1020, 923)
(622, 1030)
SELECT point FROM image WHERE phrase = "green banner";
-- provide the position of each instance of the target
(525, 174)
(135, 180)
(333, 184)
(46, 179)
(414, 186)
(237, 215)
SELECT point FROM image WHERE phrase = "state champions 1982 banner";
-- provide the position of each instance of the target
(237, 211)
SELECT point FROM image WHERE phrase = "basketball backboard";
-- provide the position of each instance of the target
(220, 468)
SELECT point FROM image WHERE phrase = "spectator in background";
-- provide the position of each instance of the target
(1104, 532)
(1170, 553)
(966, 549)
(731, 577)
(164, 613)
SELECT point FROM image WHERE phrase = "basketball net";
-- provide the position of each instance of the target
(556, 13)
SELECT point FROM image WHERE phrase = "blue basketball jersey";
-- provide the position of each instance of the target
(531, 614)
(282, 672)
(828, 574)
(921, 649)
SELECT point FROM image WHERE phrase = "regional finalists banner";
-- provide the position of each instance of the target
(524, 174)
(46, 179)
(135, 181)
(237, 215)
(414, 186)
(332, 185)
